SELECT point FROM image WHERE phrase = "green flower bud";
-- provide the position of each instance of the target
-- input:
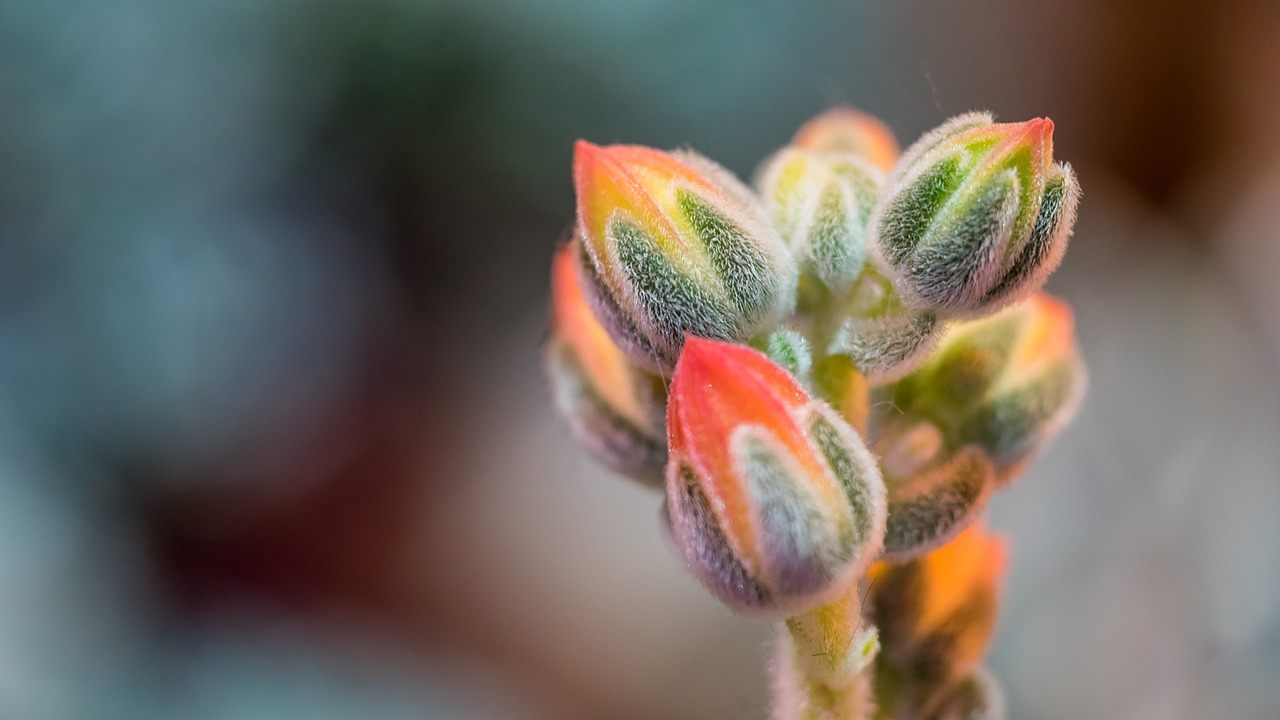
(820, 204)
(675, 246)
(883, 338)
(975, 216)
(790, 351)
(1007, 383)
(933, 494)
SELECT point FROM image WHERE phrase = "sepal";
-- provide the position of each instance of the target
(881, 336)
(931, 505)
(789, 350)
(976, 697)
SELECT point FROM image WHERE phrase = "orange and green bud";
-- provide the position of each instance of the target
(884, 338)
(774, 501)
(976, 215)
(844, 130)
(936, 614)
(676, 246)
(613, 408)
(820, 203)
(1006, 383)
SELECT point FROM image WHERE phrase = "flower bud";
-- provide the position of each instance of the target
(933, 493)
(775, 503)
(677, 246)
(1007, 383)
(821, 204)
(613, 408)
(936, 614)
(976, 215)
(844, 130)
(882, 337)
(789, 350)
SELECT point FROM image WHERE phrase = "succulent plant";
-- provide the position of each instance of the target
(829, 375)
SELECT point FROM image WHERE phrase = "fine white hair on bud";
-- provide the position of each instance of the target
(932, 507)
(775, 503)
(789, 349)
(820, 203)
(881, 336)
(1007, 383)
(675, 246)
(975, 216)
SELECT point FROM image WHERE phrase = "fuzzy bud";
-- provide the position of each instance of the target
(880, 335)
(1007, 383)
(933, 494)
(774, 502)
(676, 246)
(820, 204)
(976, 215)
(936, 614)
(844, 130)
(790, 350)
(613, 408)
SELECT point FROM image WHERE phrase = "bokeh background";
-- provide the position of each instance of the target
(274, 441)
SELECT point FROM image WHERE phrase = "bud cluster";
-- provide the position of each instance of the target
(936, 615)
(836, 367)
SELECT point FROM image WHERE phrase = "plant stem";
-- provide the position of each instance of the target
(822, 668)
(837, 381)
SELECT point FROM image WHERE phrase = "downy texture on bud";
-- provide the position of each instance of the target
(934, 492)
(976, 215)
(676, 246)
(774, 502)
(936, 614)
(613, 408)
(845, 130)
(883, 338)
(820, 204)
(1007, 383)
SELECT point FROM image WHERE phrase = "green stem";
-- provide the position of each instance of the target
(836, 380)
(823, 667)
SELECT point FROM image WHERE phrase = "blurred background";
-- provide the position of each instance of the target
(274, 441)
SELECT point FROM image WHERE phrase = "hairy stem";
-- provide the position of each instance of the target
(822, 670)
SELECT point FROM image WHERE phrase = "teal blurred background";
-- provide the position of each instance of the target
(273, 437)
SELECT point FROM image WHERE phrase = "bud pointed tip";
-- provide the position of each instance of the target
(1040, 128)
(586, 157)
(698, 356)
(1037, 132)
(584, 147)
